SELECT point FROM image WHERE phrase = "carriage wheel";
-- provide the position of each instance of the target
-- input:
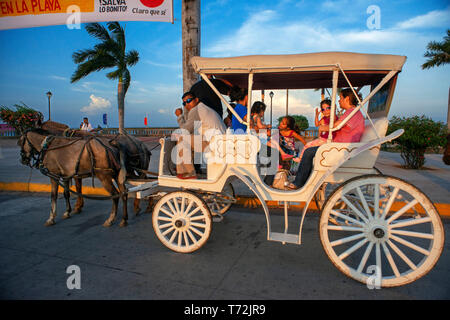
(182, 221)
(220, 203)
(393, 234)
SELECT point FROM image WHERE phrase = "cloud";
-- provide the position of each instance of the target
(436, 18)
(97, 105)
(55, 77)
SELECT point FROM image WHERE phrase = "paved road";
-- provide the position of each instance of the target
(130, 263)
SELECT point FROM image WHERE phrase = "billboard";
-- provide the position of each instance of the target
(16, 14)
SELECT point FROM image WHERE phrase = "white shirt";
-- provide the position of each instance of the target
(86, 127)
(204, 120)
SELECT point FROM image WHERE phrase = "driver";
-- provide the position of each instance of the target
(200, 120)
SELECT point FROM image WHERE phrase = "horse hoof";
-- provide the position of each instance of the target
(137, 211)
(123, 224)
(66, 215)
(49, 223)
(107, 224)
(76, 211)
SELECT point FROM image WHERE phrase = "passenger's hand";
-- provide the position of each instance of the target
(178, 112)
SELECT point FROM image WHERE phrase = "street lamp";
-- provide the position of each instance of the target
(49, 95)
(271, 96)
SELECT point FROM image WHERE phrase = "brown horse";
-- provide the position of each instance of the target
(63, 158)
(134, 155)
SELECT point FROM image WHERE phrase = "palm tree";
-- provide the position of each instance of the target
(437, 52)
(109, 53)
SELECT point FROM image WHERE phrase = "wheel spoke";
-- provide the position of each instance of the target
(191, 236)
(352, 249)
(193, 212)
(177, 207)
(180, 237)
(402, 255)
(164, 218)
(410, 222)
(410, 245)
(354, 209)
(390, 259)
(165, 225)
(166, 212)
(168, 230)
(186, 241)
(390, 202)
(345, 217)
(175, 212)
(200, 225)
(364, 202)
(197, 218)
(376, 212)
(413, 234)
(378, 259)
(347, 239)
(191, 203)
(365, 257)
(196, 231)
(173, 235)
(402, 210)
(343, 228)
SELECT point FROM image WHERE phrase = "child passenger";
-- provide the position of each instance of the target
(325, 107)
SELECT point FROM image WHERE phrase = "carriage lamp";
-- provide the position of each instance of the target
(49, 95)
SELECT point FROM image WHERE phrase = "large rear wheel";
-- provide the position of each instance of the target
(390, 233)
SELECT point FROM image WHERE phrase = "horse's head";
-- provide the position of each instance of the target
(27, 151)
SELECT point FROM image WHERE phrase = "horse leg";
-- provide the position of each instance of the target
(80, 200)
(54, 199)
(111, 189)
(66, 214)
(150, 205)
(124, 197)
(136, 206)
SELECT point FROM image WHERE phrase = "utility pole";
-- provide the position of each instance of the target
(190, 24)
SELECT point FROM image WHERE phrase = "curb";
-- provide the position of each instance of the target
(245, 201)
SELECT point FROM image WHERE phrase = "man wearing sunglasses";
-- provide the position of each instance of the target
(201, 122)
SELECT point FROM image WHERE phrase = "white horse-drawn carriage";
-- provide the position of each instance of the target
(370, 224)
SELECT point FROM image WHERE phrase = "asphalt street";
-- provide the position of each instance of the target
(236, 263)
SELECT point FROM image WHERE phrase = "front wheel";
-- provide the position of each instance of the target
(182, 221)
(392, 235)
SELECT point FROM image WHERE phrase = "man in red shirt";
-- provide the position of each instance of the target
(350, 132)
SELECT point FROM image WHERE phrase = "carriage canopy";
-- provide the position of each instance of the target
(282, 71)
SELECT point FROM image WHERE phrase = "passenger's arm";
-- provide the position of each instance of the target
(299, 137)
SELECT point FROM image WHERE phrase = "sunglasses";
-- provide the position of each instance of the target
(187, 101)
(327, 108)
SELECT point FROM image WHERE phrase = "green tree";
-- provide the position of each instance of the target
(420, 133)
(300, 121)
(438, 53)
(109, 53)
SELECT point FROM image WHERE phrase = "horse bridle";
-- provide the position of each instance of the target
(34, 160)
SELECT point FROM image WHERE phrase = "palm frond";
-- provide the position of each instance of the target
(96, 64)
(82, 55)
(98, 31)
(113, 75)
(438, 53)
(132, 57)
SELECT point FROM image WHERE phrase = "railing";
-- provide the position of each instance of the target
(7, 131)
(146, 132)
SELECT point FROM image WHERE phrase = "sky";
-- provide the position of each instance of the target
(36, 60)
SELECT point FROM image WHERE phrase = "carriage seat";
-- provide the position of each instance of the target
(329, 154)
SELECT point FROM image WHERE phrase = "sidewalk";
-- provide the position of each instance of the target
(433, 180)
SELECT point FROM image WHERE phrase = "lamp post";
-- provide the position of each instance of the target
(271, 96)
(49, 95)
